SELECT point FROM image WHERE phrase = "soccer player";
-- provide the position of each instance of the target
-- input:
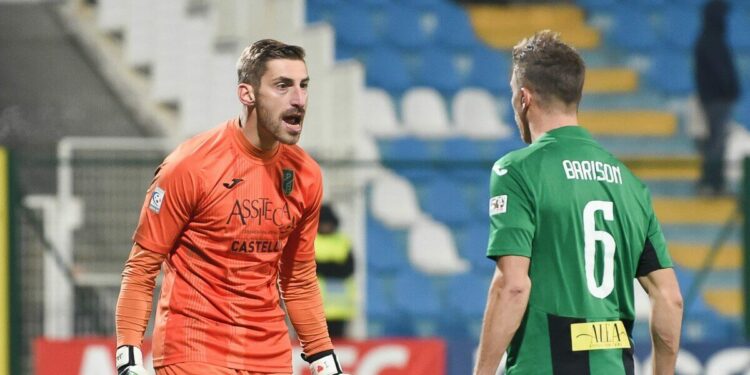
(231, 216)
(570, 228)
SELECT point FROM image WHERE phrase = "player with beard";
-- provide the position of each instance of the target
(231, 216)
(570, 228)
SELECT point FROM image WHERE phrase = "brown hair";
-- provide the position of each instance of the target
(550, 67)
(252, 62)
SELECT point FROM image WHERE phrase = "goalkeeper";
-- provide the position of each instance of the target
(231, 217)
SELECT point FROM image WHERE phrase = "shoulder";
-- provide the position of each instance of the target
(524, 156)
(191, 156)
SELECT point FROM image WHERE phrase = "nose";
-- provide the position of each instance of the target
(299, 97)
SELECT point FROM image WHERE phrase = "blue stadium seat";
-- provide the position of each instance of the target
(632, 29)
(739, 30)
(472, 240)
(438, 70)
(742, 110)
(416, 295)
(465, 160)
(454, 30)
(354, 27)
(382, 317)
(404, 28)
(490, 70)
(386, 248)
(680, 26)
(420, 4)
(596, 5)
(467, 294)
(671, 73)
(387, 69)
(446, 202)
(410, 157)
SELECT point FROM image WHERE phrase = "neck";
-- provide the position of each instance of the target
(257, 136)
(546, 122)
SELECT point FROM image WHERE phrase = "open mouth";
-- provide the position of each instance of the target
(292, 119)
(293, 122)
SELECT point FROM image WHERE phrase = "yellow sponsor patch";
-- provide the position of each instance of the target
(599, 335)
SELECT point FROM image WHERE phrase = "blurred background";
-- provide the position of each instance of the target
(409, 108)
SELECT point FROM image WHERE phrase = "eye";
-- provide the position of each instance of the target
(282, 85)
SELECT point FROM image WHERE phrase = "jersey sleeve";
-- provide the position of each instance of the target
(655, 255)
(169, 204)
(511, 213)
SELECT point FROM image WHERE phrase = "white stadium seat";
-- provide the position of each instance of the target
(432, 249)
(476, 115)
(424, 113)
(379, 117)
(394, 202)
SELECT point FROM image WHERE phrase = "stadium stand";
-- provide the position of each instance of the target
(637, 86)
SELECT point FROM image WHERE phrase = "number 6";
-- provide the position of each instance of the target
(590, 236)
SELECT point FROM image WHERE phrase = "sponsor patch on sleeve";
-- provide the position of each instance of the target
(157, 197)
(498, 204)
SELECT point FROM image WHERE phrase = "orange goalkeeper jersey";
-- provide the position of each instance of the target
(224, 214)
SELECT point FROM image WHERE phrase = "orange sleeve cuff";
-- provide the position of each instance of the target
(136, 295)
(304, 304)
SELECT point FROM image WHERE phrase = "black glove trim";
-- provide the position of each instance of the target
(318, 356)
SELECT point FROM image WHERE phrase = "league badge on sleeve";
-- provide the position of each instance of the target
(157, 197)
(498, 204)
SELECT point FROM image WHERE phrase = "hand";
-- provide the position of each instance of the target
(129, 361)
(324, 363)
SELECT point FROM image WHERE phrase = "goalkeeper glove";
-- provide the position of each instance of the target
(129, 361)
(324, 363)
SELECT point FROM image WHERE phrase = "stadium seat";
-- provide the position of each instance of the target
(490, 70)
(739, 30)
(432, 249)
(475, 115)
(742, 111)
(633, 29)
(465, 162)
(472, 299)
(416, 295)
(410, 157)
(680, 26)
(439, 71)
(424, 113)
(671, 73)
(354, 27)
(404, 28)
(472, 241)
(379, 117)
(393, 201)
(387, 69)
(454, 29)
(446, 202)
(386, 248)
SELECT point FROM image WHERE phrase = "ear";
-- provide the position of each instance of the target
(246, 94)
(526, 97)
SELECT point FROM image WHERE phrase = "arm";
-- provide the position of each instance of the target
(134, 307)
(507, 300)
(136, 295)
(304, 303)
(666, 317)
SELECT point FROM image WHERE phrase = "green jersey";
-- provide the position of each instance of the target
(588, 227)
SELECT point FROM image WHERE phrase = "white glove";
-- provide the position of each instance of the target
(129, 361)
(324, 363)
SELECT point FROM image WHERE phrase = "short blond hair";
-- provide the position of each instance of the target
(547, 65)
